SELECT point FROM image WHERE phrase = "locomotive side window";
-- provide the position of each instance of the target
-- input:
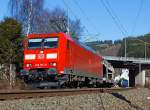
(68, 45)
(34, 43)
(50, 42)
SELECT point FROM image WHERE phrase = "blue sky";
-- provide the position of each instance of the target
(99, 21)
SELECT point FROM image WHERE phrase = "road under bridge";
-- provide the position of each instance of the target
(136, 66)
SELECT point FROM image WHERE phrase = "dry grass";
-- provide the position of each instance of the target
(4, 85)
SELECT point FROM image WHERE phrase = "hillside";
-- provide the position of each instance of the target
(112, 50)
(106, 48)
(135, 47)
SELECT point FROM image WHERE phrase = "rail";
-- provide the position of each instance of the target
(26, 94)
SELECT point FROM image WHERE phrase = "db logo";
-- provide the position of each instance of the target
(40, 56)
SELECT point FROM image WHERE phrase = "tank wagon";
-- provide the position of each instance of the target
(57, 59)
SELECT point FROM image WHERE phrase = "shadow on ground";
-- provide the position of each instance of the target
(119, 96)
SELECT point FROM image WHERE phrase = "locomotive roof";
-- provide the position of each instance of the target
(59, 34)
(82, 44)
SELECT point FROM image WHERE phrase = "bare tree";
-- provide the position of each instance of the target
(27, 12)
(31, 13)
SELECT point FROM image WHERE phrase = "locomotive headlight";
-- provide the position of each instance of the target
(53, 64)
(51, 56)
(30, 56)
(28, 65)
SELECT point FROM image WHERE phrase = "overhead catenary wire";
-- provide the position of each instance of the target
(116, 21)
(142, 41)
(137, 16)
(85, 15)
(113, 16)
(88, 20)
(117, 18)
(122, 27)
(69, 9)
(135, 25)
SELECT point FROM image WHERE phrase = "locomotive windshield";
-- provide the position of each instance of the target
(42, 43)
(50, 42)
(34, 43)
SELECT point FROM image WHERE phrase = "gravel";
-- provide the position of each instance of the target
(127, 100)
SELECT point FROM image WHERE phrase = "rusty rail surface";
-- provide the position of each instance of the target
(26, 94)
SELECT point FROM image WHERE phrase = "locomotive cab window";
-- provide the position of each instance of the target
(50, 42)
(43, 43)
(34, 43)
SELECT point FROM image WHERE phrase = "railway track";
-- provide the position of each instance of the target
(26, 94)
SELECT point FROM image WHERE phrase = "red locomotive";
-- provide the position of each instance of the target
(57, 58)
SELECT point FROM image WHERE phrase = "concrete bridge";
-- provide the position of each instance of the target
(130, 59)
(136, 66)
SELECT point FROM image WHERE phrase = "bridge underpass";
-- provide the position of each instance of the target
(136, 66)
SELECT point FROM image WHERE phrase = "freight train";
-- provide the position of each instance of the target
(56, 59)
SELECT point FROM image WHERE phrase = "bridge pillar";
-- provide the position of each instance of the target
(136, 77)
(132, 74)
(140, 79)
